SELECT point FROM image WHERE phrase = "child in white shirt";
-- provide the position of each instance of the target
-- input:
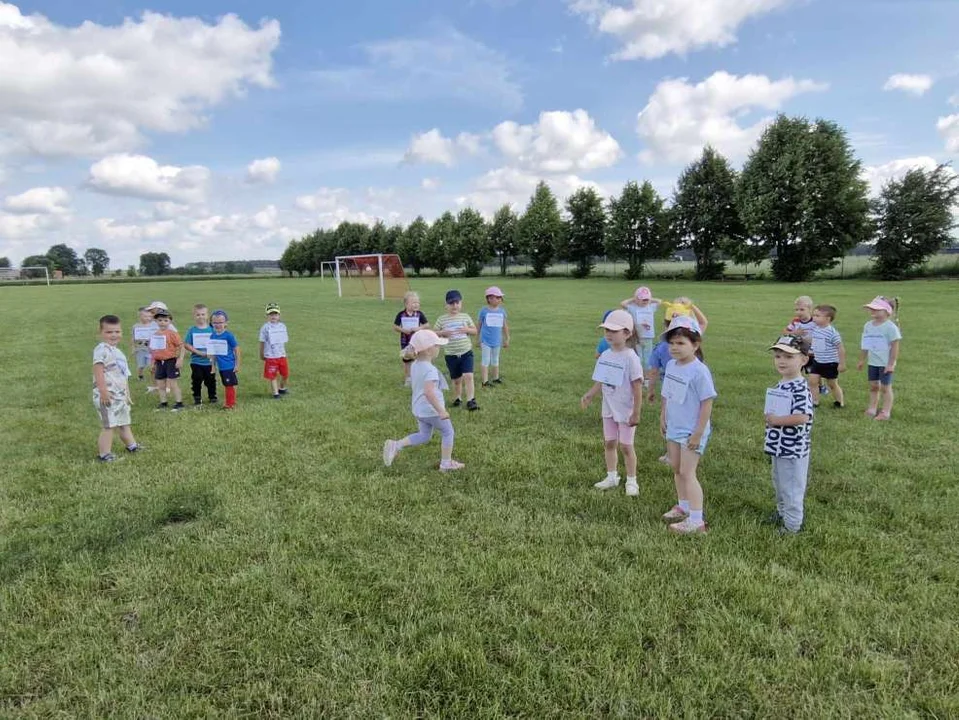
(880, 347)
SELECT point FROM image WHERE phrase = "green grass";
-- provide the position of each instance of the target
(265, 564)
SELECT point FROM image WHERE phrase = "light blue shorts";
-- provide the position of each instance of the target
(490, 356)
(683, 437)
(645, 351)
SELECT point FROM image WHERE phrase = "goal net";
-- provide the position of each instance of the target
(20, 274)
(379, 276)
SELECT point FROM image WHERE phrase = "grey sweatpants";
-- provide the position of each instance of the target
(789, 482)
(427, 426)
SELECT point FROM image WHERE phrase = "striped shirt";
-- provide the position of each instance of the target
(825, 344)
(459, 342)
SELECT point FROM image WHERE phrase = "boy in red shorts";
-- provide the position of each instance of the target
(273, 339)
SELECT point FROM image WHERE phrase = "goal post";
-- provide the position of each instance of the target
(374, 275)
(27, 272)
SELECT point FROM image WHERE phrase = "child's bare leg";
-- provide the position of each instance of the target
(274, 387)
(836, 391)
(126, 435)
(689, 461)
(873, 397)
(458, 387)
(161, 386)
(495, 372)
(612, 459)
(406, 370)
(887, 398)
(629, 457)
(105, 441)
(174, 387)
(485, 373)
(814, 381)
(672, 453)
(470, 386)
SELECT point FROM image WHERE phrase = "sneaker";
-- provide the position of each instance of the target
(774, 518)
(177, 407)
(283, 391)
(664, 459)
(688, 527)
(675, 513)
(137, 447)
(838, 405)
(871, 412)
(487, 384)
(407, 383)
(471, 405)
(823, 389)
(497, 381)
(278, 397)
(607, 484)
(212, 401)
(451, 465)
(390, 451)
(163, 406)
(882, 415)
(457, 402)
(632, 488)
(140, 378)
(786, 532)
(197, 401)
(109, 457)
(151, 389)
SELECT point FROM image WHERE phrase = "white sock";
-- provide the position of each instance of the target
(696, 516)
(684, 504)
(612, 475)
(630, 479)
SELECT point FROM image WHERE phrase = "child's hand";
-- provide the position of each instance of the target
(634, 419)
(106, 400)
(695, 440)
(890, 368)
(662, 426)
(585, 401)
(179, 363)
(444, 415)
(505, 344)
(842, 367)
(859, 365)
(770, 420)
(651, 396)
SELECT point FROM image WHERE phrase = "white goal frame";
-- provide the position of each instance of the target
(379, 262)
(332, 264)
(7, 273)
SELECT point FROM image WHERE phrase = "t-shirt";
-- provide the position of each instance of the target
(660, 358)
(825, 344)
(398, 321)
(422, 372)
(198, 335)
(459, 343)
(274, 338)
(228, 361)
(672, 309)
(689, 385)
(173, 345)
(618, 399)
(489, 335)
(795, 325)
(145, 343)
(644, 316)
(116, 370)
(877, 338)
(602, 346)
(792, 441)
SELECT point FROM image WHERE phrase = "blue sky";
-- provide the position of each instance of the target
(136, 127)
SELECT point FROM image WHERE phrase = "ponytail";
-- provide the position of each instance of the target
(408, 353)
(895, 312)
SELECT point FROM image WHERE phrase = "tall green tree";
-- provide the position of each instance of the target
(288, 258)
(439, 246)
(585, 234)
(153, 263)
(36, 261)
(472, 247)
(914, 219)
(97, 260)
(376, 240)
(5, 262)
(705, 216)
(802, 198)
(393, 235)
(540, 229)
(638, 227)
(502, 236)
(65, 259)
(409, 245)
(352, 238)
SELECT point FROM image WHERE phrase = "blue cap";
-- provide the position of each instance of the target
(221, 312)
(453, 296)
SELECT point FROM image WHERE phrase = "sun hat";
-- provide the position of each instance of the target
(879, 303)
(157, 305)
(494, 291)
(453, 296)
(425, 339)
(618, 320)
(272, 308)
(684, 322)
(162, 312)
(792, 344)
(644, 293)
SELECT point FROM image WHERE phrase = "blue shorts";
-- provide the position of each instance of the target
(878, 374)
(683, 437)
(460, 365)
(229, 378)
(490, 355)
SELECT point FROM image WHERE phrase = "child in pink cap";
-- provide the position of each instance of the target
(642, 306)
(880, 350)
(494, 335)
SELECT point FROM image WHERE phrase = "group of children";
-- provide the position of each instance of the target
(159, 352)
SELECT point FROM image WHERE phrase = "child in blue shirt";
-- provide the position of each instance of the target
(228, 363)
(201, 367)
(494, 335)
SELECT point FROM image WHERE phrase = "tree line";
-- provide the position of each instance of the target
(799, 201)
(96, 262)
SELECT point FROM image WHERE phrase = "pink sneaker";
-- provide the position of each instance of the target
(871, 413)
(882, 415)
(688, 527)
(675, 513)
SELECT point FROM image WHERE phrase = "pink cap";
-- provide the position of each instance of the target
(425, 339)
(879, 303)
(618, 320)
(494, 291)
(644, 293)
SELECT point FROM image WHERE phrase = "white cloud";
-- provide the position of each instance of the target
(323, 200)
(142, 177)
(432, 147)
(559, 142)
(654, 28)
(39, 201)
(264, 170)
(914, 84)
(15, 227)
(879, 175)
(111, 229)
(95, 89)
(429, 183)
(948, 127)
(680, 119)
(267, 218)
(513, 186)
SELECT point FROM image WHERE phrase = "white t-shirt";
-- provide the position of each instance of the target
(618, 398)
(685, 388)
(792, 441)
(422, 372)
(825, 344)
(644, 316)
(876, 340)
(274, 338)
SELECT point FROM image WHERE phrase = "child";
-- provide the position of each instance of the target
(829, 355)
(642, 307)
(684, 307)
(111, 390)
(408, 321)
(494, 334)
(789, 431)
(802, 324)
(880, 347)
(201, 367)
(144, 329)
(658, 359)
(273, 339)
(457, 326)
(688, 394)
(225, 353)
(619, 373)
(603, 344)
(156, 306)
(167, 356)
(428, 406)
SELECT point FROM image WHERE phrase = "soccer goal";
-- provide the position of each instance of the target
(377, 275)
(30, 272)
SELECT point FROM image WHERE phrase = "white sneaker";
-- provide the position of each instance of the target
(150, 389)
(632, 488)
(607, 484)
(390, 451)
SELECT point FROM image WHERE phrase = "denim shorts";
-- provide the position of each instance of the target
(683, 437)
(459, 365)
(878, 374)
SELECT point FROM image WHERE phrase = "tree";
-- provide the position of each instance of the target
(5, 262)
(35, 261)
(705, 216)
(585, 230)
(409, 244)
(801, 196)
(472, 246)
(539, 231)
(376, 239)
(131, 271)
(97, 260)
(152, 263)
(65, 259)
(439, 243)
(351, 238)
(638, 227)
(393, 235)
(502, 236)
(914, 219)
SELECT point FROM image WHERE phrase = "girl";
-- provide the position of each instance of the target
(687, 394)
(407, 322)
(642, 307)
(494, 334)
(880, 346)
(429, 408)
(619, 373)
(684, 307)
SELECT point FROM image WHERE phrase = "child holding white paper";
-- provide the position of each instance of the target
(167, 353)
(619, 375)
(429, 408)
(273, 339)
(201, 367)
(494, 335)
(880, 348)
(408, 321)
(224, 351)
(143, 330)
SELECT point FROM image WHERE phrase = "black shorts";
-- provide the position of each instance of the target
(459, 365)
(229, 378)
(166, 369)
(830, 371)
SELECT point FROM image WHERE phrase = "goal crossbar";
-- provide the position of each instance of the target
(376, 267)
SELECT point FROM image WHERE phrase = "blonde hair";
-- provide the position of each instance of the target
(200, 306)
(410, 295)
(804, 300)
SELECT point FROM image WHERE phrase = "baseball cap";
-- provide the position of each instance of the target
(494, 291)
(682, 321)
(220, 312)
(425, 339)
(162, 312)
(879, 303)
(453, 296)
(618, 320)
(792, 344)
(157, 305)
(644, 293)
(272, 308)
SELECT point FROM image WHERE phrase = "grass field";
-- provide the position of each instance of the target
(264, 564)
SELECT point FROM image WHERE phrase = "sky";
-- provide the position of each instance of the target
(222, 129)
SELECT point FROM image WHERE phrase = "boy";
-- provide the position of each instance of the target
(273, 339)
(201, 368)
(111, 390)
(457, 326)
(145, 328)
(789, 412)
(226, 362)
(828, 355)
(802, 324)
(167, 356)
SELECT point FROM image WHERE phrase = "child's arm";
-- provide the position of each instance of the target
(100, 378)
(653, 376)
(863, 356)
(590, 394)
(841, 348)
(181, 351)
(262, 356)
(505, 334)
(893, 356)
(662, 417)
(786, 420)
(471, 328)
(433, 398)
(236, 351)
(396, 328)
(705, 410)
(625, 303)
(637, 387)
(700, 318)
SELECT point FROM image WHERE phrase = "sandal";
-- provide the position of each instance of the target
(882, 415)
